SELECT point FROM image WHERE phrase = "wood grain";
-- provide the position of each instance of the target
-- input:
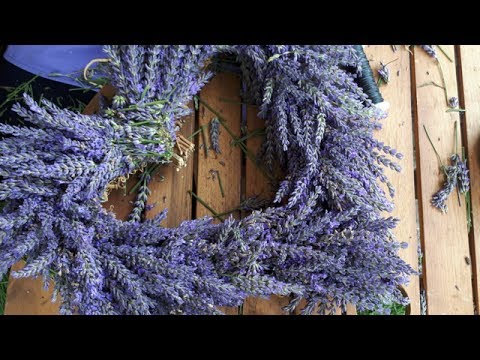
(470, 66)
(448, 277)
(228, 163)
(258, 185)
(397, 132)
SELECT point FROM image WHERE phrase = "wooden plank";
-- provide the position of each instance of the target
(228, 163)
(26, 295)
(351, 310)
(470, 66)
(397, 132)
(169, 187)
(258, 185)
(448, 277)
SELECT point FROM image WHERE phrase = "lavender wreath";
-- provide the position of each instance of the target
(324, 238)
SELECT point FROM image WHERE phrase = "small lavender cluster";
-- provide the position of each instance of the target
(456, 176)
(430, 50)
(384, 73)
(157, 81)
(215, 135)
(324, 240)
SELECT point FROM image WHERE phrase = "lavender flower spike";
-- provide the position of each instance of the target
(214, 134)
(430, 50)
(453, 102)
(463, 177)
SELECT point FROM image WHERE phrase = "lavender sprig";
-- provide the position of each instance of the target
(214, 134)
(142, 197)
(439, 199)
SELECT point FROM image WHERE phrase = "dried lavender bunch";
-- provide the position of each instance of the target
(70, 155)
(214, 134)
(430, 50)
(172, 73)
(323, 239)
(439, 198)
(456, 176)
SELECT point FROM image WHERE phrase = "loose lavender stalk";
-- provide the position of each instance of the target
(142, 197)
(463, 177)
(384, 73)
(214, 134)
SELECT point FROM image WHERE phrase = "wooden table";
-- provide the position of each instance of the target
(450, 273)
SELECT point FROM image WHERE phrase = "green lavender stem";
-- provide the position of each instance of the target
(434, 149)
(443, 81)
(230, 101)
(445, 53)
(432, 83)
(228, 212)
(455, 135)
(455, 151)
(152, 170)
(197, 132)
(235, 138)
(220, 184)
(135, 107)
(25, 87)
(144, 92)
(257, 132)
(204, 204)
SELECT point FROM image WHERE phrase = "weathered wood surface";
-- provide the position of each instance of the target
(448, 277)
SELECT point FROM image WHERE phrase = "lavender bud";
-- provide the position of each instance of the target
(453, 102)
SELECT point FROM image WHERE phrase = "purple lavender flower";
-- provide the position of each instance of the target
(439, 199)
(453, 102)
(430, 50)
(463, 177)
(214, 134)
(384, 73)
